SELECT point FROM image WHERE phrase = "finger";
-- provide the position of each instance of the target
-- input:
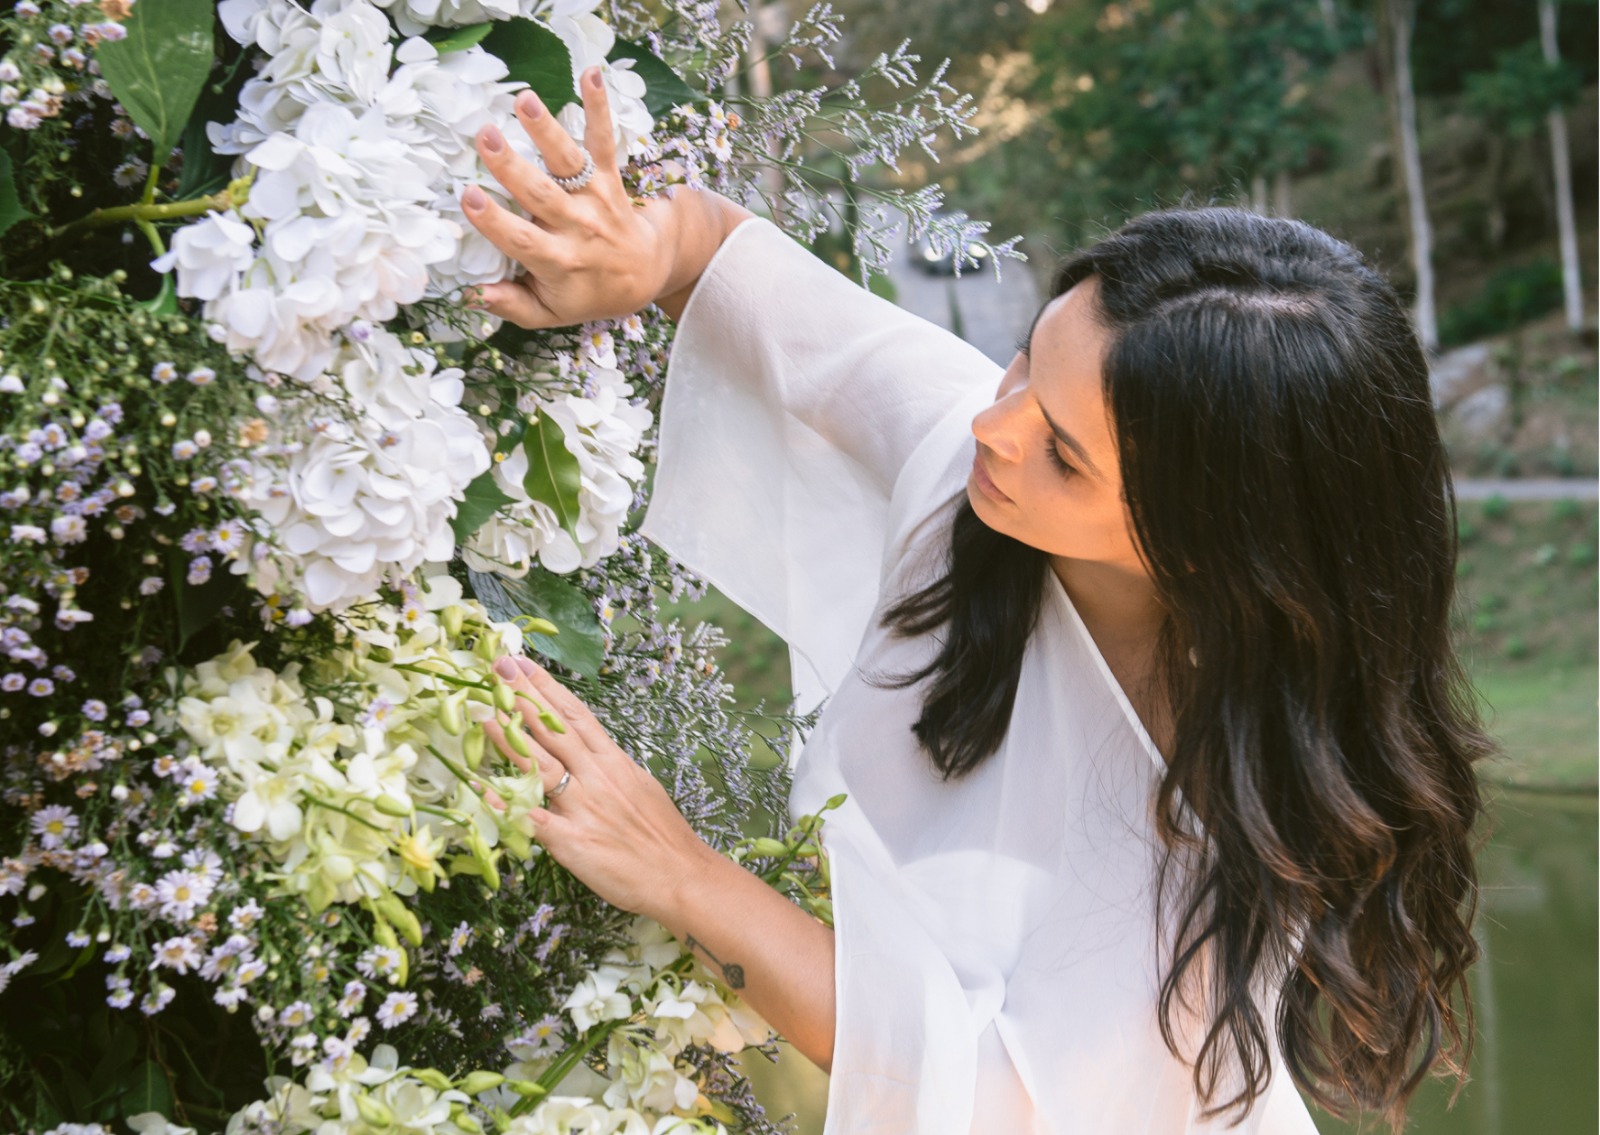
(520, 239)
(562, 156)
(551, 830)
(599, 135)
(567, 705)
(528, 185)
(556, 739)
(516, 301)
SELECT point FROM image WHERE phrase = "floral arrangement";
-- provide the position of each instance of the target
(273, 501)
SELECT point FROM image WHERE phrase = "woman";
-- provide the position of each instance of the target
(1158, 760)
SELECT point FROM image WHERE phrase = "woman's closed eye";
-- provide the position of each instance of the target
(1055, 455)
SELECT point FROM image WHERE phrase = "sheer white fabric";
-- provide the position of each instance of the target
(996, 941)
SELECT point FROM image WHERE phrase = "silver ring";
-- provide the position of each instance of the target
(578, 180)
(561, 785)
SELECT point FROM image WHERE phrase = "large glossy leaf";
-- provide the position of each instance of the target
(534, 55)
(482, 499)
(664, 89)
(205, 171)
(446, 40)
(11, 210)
(156, 70)
(553, 475)
(581, 645)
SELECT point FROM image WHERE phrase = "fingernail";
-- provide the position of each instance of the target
(507, 667)
(529, 666)
(529, 106)
(474, 198)
(594, 78)
(493, 140)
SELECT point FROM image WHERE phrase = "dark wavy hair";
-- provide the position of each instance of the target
(1290, 497)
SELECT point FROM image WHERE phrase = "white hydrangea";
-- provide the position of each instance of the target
(603, 431)
(360, 149)
(369, 494)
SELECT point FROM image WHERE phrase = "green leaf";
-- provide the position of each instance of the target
(204, 170)
(581, 645)
(446, 40)
(663, 87)
(553, 473)
(11, 210)
(482, 500)
(156, 71)
(534, 55)
(150, 1091)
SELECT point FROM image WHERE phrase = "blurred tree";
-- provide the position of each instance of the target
(1397, 27)
(1162, 99)
(1561, 164)
(962, 31)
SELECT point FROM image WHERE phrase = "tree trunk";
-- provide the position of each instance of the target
(1281, 183)
(1561, 167)
(1258, 194)
(1401, 15)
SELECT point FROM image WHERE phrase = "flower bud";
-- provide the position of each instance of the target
(374, 1112)
(474, 1082)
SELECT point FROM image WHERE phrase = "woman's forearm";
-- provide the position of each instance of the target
(697, 223)
(778, 957)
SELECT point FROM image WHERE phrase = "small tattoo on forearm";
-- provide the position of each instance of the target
(732, 973)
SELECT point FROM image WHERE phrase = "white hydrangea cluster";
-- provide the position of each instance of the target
(359, 148)
(368, 804)
(602, 430)
(363, 477)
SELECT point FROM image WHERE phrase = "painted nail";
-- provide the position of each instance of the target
(493, 140)
(529, 666)
(474, 198)
(529, 106)
(507, 667)
(594, 78)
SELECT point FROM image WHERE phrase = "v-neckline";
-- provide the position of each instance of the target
(1106, 673)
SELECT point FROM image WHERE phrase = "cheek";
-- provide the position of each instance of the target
(1074, 516)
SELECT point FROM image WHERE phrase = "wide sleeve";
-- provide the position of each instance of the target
(794, 399)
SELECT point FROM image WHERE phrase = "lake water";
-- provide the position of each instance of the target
(1534, 1069)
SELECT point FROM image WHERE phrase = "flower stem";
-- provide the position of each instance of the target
(144, 213)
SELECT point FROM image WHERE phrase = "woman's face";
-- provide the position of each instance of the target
(1046, 471)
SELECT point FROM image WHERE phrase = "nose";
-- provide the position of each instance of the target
(996, 426)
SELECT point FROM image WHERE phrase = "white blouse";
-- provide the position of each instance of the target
(997, 950)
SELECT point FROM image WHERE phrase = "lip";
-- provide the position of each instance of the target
(985, 483)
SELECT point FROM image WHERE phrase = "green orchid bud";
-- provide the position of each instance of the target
(383, 932)
(434, 1078)
(551, 722)
(463, 1119)
(474, 1082)
(517, 843)
(537, 625)
(527, 1089)
(450, 713)
(452, 617)
(516, 738)
(768, 847)
(505, 698)
(400, 916)
(473, 743)
(389, 806)
(374, 1112)
(486, 648)
(485, 857)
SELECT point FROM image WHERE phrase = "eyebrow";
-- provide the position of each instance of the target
(1067, 439)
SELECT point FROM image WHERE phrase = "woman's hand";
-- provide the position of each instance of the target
(594, 253)
(613, 826)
